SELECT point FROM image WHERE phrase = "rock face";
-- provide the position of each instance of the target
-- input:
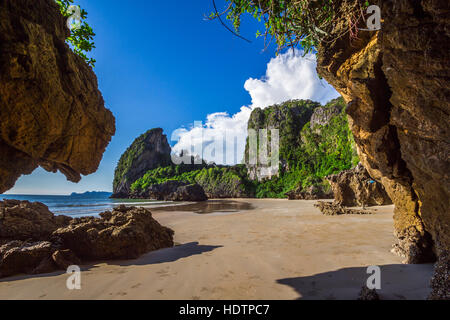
(23, 257)
(191, 192)
(289, 118)
(311, 193)
(333, 209)
(63, 259)
(355, 187)
(323, 115)
(440, 283)
(124, 233)
(147, 152)
(23, 220)
(397, 84)
(216, 182)
(54, 243)
(225, 183)
(52, 113)
(176, 191)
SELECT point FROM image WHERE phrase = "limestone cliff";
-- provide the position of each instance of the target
(314, 142)
(149, 151)
(397, 84)
(289, 118)
(52, 113)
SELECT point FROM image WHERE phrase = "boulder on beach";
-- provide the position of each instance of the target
(124, 233)
(65, 258)
(355, 187)
(23, 220)
(333, 209)
(310, 193)
(24, 257)
(33, 240)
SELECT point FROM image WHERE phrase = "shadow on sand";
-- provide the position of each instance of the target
(398, 282)
(168, 254)
(154, 257)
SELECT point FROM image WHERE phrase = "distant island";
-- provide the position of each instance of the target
(92, 194)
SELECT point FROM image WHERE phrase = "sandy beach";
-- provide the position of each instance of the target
(266, 249)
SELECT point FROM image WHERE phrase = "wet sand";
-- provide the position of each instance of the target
(258, 249)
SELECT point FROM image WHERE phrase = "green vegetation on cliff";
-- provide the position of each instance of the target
(315, 142)
(217, 181)
(303, 24)
(81, 38)
(289, 117)
(308, 154)
(148, 151)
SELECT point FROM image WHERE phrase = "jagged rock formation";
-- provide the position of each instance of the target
(147, 152)
(323, 115)
(314, 142)
(47, 243)
(174, 191)
(23, 220)
(52, 113)
(23, 257)
(34, 258)
(63, 259)
(311, 193)
(124, 233)
(333, 209)
(352, 188)
(440, 283)
(397, 84)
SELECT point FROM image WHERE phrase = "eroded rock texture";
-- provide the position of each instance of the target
(352, 188)
(33, 240)
(23, 257)
(333, 209)
(124, 233)
(440, 283)
(52, 113)
(310, 193)
(397, 84)
(23, 220)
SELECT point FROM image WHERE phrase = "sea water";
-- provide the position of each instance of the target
(82, 205)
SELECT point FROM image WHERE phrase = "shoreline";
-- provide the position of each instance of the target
(278, 249)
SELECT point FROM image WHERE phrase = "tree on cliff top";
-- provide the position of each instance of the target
(81, 37)
(293, 23)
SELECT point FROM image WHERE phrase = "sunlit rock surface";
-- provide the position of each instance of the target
(52, 112)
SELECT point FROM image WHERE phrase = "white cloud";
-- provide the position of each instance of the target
(288, 76)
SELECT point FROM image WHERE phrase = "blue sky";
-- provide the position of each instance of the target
(160, 64)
